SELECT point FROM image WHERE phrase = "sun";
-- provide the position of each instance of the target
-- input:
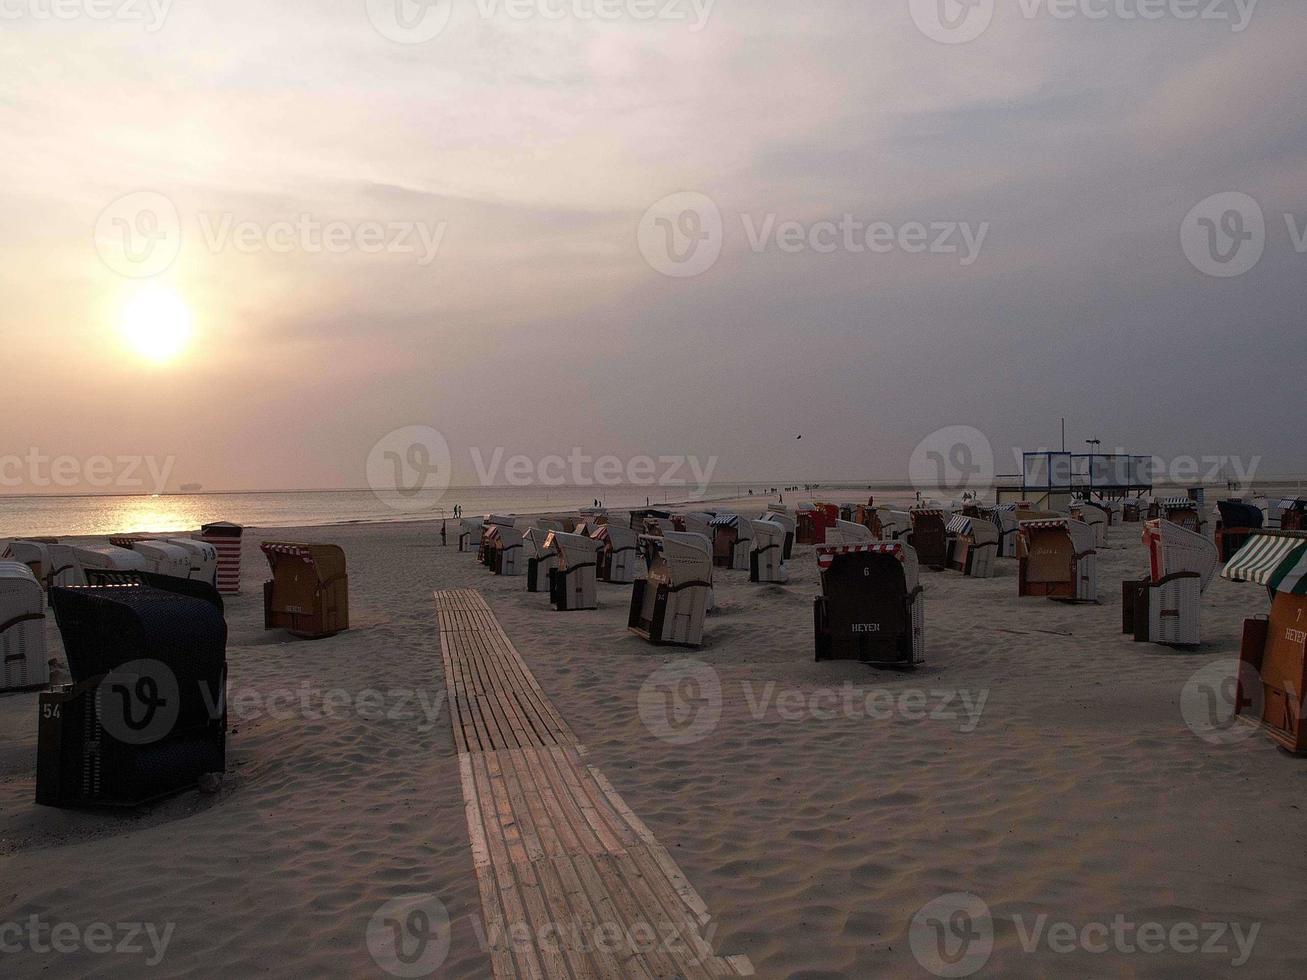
(157, 324)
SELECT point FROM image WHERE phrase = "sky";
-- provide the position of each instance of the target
(642, 229)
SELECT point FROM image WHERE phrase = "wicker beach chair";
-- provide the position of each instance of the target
(767, 553)
(23, 662)
(619, 555)
(1058, 560)
(572, 579)
(308, 594)
(871, 607)
(1164, 606)
(668, 606)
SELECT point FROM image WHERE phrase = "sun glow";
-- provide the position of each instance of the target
(157, 324)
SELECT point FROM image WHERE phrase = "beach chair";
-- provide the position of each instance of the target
(731, 542)
(161, 557)
(1164, 606)
(488, 523)
(226, 539)
(1058, 560)
(782, 516)
(503, 549)
(594, 516)
(640, 518)
(811, 521)
(23, 662)
(1235, 526)
(1274, 647)
(845, 533)
(1004, 519)
(203, 558)
(973, 546)
(1293, 514)
(572, 579)
(548, 524)
(66, 570)
(619, 556)
(767, 553)
(146, 713)
(308, 594)
(668, 606)
(469, 535)
(694, 522)
(35, 554)
(1097, 520)
(107, 556)
(930, 536)
(871, 607)
(1179, 510)
(540, 559)
(895, 525)
(1133, 511)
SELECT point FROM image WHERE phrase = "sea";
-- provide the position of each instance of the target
(41, 516)
(97, 515)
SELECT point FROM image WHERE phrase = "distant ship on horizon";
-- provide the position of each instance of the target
(190, 488)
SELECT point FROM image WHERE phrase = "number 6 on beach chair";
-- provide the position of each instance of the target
(668, 607)
(871, 608)
(572, 579)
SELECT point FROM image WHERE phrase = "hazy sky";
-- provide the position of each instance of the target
(529, 149)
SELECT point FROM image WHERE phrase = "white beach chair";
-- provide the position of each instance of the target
(732, 542)
(572, 579)
(23, 661)
(541, 558)
(469, 538)
(203, 558)
(782, 516)
(503, 549)
(895, 525)
(669, 605)
(846, 533)
(695, 522)
(767, 557)
(1165, 606)
(619, 559)
(66, 571)
(35, 555)
(108, 557)
(164, 558)
(973, 546)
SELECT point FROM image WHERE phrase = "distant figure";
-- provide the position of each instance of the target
(443, 542)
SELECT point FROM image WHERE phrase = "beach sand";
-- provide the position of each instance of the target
(1077, 793)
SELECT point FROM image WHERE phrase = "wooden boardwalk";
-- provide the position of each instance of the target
(573, 884)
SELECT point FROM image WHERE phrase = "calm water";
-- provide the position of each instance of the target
(92, 515)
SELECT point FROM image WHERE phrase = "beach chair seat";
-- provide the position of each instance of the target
(540, 559)
(973, 546)
(871, 607)
(767, 553)
(732, 539)
(308, 594)
(669, 605)
(146, 713)
(23, 661)
(503, 549)
(225, 537)
(1058, 560)
(1164, 607)
(1236, 524)
(619, 555)
(1274, 647)
(930, 536)
(572, 579)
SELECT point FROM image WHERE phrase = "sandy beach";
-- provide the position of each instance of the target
(1039, 761)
